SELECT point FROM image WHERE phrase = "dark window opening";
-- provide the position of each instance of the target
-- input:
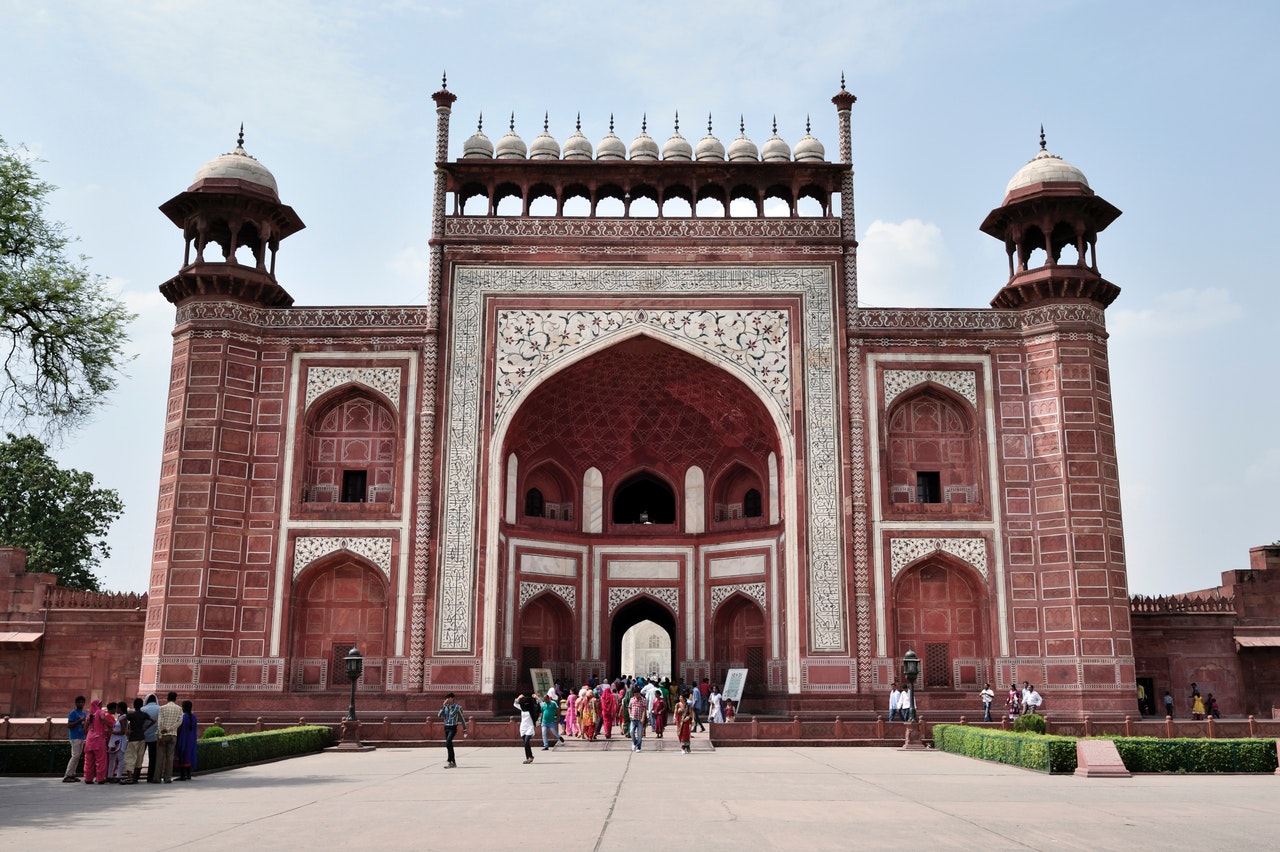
(355, 485)
(937, 665)
(533, 504)
(751, 505)
(644, 499)
(928, 487)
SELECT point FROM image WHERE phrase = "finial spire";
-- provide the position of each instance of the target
(742, 125)
(240, 139)
(677, 122)
(806, 126)
(480, 124)
(842, 88)
(1042, 137)
(578, 124)
(708, 124)
(512, 125)
(775, 125)
(545, 122)
(644, 123)
(444, 79)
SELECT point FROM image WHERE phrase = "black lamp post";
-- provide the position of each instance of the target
(355, 665)
(911, 671)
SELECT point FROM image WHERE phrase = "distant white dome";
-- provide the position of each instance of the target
(238, 165)
(776, 149)
(808, 149)
(544, 145)
(644, 147)
(577, 146)
(511, 146)
(677, 147)
(709, 147)
(611, 147)
(743, 149)
(1045, 167)
(478, 146)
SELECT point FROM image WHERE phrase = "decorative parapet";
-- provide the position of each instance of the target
(1145, 604)
(60, 598)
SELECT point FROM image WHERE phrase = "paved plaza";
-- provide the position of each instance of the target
(584, 798)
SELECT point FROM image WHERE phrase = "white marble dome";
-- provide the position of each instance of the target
(1045, 167)
(776, 149)
(577, 146)
(240, 166)
(511, 146)
(478, 146)
(808, 149)
(743, 149)
(677, 147)
(544, 146)
(709, 147)
(613, 148)
(644, 146)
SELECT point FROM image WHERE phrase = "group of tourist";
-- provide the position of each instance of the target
(596, 709)
(112, 740)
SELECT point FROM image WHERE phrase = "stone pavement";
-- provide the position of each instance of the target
(585, 798)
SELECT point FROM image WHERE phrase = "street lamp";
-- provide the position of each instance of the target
(911, 671)
(355, 665)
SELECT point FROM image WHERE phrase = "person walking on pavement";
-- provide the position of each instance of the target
(453, 718)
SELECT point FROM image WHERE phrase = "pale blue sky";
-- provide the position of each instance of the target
(1169, 108)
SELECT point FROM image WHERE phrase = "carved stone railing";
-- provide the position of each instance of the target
(1181, 603)
(60, 598)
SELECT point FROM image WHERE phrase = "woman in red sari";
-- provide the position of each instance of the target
(684, 725)
(608, 710)
(659, 711)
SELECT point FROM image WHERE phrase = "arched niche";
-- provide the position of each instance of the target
(644, 499)
(933, 456)
(338, 603)
(547, 492)
(635, 611)
(739, 641)
(546, 636)
(351, 450)
(739, 496)
(941, 611)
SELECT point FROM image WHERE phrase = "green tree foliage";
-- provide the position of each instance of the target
(56, 514)
(62, 334)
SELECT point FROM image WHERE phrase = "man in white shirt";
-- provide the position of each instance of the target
(905, 712)
(894, 697)
(1026, 695)
(1033, 701)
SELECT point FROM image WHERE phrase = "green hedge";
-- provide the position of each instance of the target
(50, 758)
(1186, 754)
(1030, 751)
(237, 750)
(34, 758)
(1140, 754)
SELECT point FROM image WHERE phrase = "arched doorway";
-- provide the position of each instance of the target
(640, 610)
(941, 614)
(337, 606)
(546, 637)
(738, 641)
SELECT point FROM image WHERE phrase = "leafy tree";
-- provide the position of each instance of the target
(56, 514)
(62, 334)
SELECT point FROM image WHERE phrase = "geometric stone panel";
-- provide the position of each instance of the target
(904, 551)
(307, 549)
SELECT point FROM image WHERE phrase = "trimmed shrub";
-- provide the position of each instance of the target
(1030, 751)
(213, 732)
(1029, 723)
(34, 758)
(221, 752)
(1187, 754)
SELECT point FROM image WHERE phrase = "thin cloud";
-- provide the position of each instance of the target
(903, 264)
(1178, 312)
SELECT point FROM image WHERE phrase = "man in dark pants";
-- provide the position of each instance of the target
(452, 714)
(152, 736)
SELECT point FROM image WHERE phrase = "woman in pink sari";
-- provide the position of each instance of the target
(571, 717)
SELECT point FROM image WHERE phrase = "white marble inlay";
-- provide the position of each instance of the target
(624, 569)
(385, 380)
(555, 566)
(736, 566)
(719, 594)
(963, 382)
(904, 551)
(307, 549)
(568, 594)
(619, 595)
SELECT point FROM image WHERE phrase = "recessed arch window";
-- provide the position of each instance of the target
(933, 452)
(644, 499)
(351, 451)
(533, 503)
(752, 505)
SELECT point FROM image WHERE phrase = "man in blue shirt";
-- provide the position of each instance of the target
(152, 737)
(75, 733)
(451, 712)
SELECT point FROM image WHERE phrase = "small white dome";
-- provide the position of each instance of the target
(776, 149)
(1045, 167)
(644, 146)
(709, 147)
(478, 146)
(577, 146)
(511, 146)
(743, 149)
(544, 145)
(611, 147)
(240, 166)
(808, 149)
(677, 147)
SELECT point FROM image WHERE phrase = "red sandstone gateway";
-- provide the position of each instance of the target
(667, 412)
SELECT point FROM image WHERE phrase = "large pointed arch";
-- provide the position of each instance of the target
(337, 602)
(783, 440)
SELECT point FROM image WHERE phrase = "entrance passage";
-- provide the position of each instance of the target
(642, 640)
